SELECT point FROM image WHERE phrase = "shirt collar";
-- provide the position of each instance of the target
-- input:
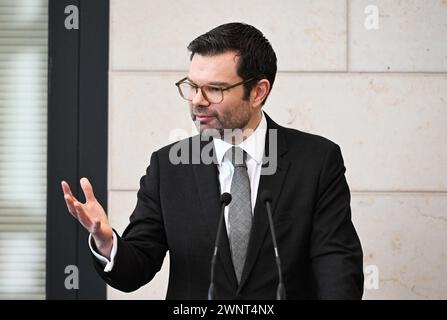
(254, 145)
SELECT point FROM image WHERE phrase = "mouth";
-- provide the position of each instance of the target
(203, 118)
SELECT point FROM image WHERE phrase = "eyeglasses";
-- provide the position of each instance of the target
(212, 93)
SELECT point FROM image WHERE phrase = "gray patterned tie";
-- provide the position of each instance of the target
(239, 210)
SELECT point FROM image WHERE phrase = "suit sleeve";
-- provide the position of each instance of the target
(336, 252)
(142, 248)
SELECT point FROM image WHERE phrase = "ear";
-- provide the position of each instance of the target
(260, 92)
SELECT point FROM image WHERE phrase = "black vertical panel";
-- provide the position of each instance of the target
(77, 138)
(63, 113)
(94, 29)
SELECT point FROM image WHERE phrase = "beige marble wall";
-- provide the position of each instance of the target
(381, 94)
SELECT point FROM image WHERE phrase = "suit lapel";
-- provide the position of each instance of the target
(273, 183)
(207, 181)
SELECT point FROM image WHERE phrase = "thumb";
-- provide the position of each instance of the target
(88, 189)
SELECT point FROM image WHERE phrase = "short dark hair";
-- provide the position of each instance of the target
(257, 59)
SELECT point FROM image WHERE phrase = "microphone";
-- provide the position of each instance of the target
(225, 200)
(266, 197)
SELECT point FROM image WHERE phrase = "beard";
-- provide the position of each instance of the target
(224, 122)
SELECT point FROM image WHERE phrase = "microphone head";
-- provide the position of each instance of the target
(266, 195)
(225, 198)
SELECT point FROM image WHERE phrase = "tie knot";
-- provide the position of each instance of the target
(237, 156)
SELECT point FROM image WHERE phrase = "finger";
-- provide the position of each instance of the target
(70, 205)
(88, 189)
(67, 190)
(83, 216)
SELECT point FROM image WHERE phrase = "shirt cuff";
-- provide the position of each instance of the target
(108, 265)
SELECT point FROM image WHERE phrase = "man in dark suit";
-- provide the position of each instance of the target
(239, 150)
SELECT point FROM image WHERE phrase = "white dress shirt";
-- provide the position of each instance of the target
(254, 147)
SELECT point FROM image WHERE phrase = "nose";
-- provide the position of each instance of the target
(199, 99)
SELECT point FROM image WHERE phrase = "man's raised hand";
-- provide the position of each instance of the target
(91, 215)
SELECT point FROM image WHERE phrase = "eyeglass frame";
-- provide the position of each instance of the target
(222, 89)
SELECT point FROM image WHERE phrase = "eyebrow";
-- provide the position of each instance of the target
(213, 83)
(219, 83)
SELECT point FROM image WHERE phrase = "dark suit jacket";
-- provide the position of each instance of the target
(178, 210)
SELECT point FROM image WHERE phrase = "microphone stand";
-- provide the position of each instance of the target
(225, 199)
(281, 290)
